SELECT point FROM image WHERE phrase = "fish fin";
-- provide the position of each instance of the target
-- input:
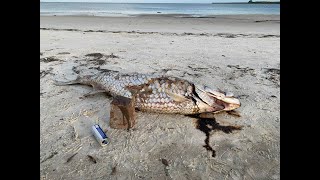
(93, 92)
(177, 97)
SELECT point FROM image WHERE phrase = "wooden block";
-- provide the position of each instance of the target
(122, 114)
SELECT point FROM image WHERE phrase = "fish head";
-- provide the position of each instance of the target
(214, 100)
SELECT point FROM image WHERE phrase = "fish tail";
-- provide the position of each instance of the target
(61, 83)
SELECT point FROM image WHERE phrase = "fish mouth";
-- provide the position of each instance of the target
(216, 99)
(227, 104)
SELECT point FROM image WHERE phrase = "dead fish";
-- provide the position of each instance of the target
(159, 93)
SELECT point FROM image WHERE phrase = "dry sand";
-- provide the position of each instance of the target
(238, 53)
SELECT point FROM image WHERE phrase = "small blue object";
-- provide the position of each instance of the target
(101, 136)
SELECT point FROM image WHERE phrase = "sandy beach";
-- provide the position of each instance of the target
(237, 53)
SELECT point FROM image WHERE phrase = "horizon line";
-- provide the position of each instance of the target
(153, 2)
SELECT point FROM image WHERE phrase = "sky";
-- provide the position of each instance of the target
(152, 1)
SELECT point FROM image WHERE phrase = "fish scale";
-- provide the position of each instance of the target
(150, 90)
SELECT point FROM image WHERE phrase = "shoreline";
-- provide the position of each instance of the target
(156, 15)
(174, 23)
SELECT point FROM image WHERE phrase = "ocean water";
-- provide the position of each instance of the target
(124, 9)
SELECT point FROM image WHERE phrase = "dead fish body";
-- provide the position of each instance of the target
(158, 93)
